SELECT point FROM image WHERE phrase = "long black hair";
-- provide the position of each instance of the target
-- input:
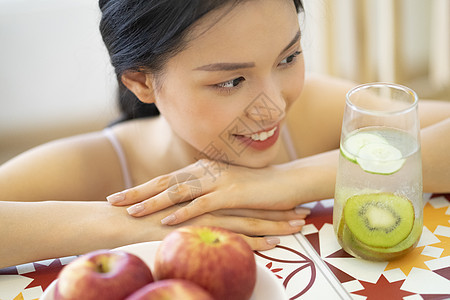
(141, 35)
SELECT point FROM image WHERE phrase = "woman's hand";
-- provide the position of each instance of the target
(259, 231)
(211, 186)
(252, 202)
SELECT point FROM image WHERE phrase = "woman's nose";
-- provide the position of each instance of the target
(265, 109)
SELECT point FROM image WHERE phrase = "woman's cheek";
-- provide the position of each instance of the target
(294, 84)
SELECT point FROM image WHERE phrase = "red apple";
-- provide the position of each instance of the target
(171, 289)
(216, 259)
(102, 274)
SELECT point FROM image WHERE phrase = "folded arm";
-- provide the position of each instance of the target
(436, 157)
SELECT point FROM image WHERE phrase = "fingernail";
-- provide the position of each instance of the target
(135, 209)
(302, 211)
(272, 240)
(116, 198)
(169, 219)
(296, 223)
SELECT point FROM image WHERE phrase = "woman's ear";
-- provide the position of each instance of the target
(140, 84)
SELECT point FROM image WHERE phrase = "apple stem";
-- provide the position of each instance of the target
(100, 268)
(209, 236)
(103, 266)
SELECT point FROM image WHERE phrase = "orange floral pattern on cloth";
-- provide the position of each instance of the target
(413, 259)
(434, 217)
(425, 271)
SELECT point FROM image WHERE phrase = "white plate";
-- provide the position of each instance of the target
(268, 286)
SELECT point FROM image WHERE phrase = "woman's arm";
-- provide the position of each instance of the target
(83, 167)
(68, 169)
(32, 231)
(436, 157)
(34, 228)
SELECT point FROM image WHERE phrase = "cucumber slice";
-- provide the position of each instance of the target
(354, 143)
(380, 158)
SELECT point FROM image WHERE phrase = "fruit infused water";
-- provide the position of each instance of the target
(378, 208)
(378, 203)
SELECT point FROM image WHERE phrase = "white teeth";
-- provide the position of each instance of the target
(262, 136)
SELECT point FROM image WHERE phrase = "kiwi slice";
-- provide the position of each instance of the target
(358, 249)
(379, 220)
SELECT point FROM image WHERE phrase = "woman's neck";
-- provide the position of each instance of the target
(178, 149)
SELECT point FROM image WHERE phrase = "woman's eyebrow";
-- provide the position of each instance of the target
(293, 42)
(243, 65)
(226, 66)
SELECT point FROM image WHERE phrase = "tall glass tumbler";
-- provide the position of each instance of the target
(378, 208)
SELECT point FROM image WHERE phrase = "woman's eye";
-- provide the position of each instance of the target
(290, 58)
(230, 83)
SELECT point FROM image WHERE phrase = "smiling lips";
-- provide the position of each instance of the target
(262, 136)
(260, 140)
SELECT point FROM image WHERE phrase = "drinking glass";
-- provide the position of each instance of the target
(378, 210)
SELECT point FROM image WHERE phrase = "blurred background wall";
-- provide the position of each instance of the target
(402, 41)
(55, 76)
(56, 80)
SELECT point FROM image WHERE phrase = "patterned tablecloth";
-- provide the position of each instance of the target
(312, 265)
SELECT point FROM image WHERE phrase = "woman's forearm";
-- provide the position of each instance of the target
(41, 230)
(436, 157)
(313, 178)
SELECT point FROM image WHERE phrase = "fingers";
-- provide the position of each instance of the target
(281, 215)
(259, 234)
(181, 185)
(201, 205)
(174, 195)
(161, 192)
(140, 192)
(195, 208)
(249, 226)
(261, 243)
(259, 227)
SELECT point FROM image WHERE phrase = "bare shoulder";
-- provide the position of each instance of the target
(82, 167)
(147, 147)
(315, 118)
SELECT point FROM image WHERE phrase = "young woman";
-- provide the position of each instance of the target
(241, 141)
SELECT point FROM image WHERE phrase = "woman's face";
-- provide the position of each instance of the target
(227, 93)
